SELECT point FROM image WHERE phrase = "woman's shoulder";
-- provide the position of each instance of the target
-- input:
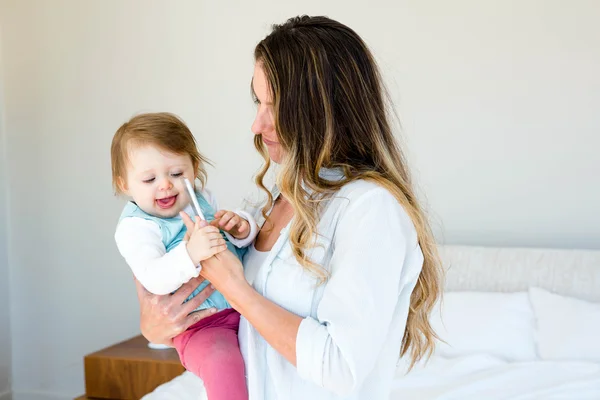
(361, 190)
(367, 199)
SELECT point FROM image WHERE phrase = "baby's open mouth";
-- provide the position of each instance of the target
(167, 202)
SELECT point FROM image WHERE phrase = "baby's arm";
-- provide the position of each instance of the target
(239, 226)
(140, 243)
(233, 223)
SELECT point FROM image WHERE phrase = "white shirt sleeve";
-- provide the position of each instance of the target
(140, 243)
(339, 348)
(239, 243)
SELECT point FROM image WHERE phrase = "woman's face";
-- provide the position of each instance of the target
(264, 123)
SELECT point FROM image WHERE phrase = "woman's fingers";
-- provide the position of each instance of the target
(186, 289)
(164, 317)
(194, 303)
(197, 316)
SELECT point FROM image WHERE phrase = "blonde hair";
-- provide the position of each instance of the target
(330, 112)
(163, 130)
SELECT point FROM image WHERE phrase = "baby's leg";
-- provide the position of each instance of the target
(210, 350)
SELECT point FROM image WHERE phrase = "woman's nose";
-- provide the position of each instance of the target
(258, 126)
(255, 128)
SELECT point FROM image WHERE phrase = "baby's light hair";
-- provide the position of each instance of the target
(163, 130)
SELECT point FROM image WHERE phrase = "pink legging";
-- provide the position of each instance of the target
(210, 350)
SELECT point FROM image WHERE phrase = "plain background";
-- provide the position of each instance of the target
(498, 101)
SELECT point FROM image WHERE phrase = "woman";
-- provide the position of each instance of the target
(344, 272)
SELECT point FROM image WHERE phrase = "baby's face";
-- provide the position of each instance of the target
(154, 180)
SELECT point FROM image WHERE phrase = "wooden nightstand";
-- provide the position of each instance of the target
(128, 370)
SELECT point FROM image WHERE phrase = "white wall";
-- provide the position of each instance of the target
(498, 100)
(5, 342)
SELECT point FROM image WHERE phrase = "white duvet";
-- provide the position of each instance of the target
(487, 377)
(473, 377)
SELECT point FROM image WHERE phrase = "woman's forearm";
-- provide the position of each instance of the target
(278, 326)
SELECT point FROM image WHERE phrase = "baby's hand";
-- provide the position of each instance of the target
(204, 242)
(232, 223)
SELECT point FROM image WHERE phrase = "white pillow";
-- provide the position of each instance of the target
(567, 328)
(500, 324)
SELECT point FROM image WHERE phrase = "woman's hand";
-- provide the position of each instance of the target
(164, 317)
(225, 273)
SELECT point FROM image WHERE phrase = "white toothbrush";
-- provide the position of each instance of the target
(192, 195)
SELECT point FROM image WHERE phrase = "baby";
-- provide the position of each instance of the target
(150, 156)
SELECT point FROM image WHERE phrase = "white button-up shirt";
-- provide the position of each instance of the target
(349, 341)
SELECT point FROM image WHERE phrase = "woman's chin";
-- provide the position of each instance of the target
(274, 155)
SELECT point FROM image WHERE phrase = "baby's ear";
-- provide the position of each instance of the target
(122, 186)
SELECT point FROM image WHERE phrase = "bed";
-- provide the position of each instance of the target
(516, 323)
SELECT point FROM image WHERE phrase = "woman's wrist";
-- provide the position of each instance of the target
(242, 294)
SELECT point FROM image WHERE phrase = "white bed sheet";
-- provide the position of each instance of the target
(466, 378)
(488, 377)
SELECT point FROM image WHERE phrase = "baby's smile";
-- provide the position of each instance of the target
(167, 202)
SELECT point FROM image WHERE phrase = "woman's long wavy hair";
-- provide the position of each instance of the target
(330, 112)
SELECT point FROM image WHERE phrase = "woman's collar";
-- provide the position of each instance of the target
(332, 174)
(328, 174)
